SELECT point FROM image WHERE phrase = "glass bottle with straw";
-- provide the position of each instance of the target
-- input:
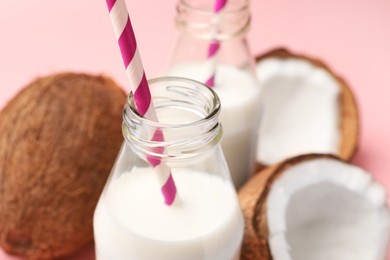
(211, 48)
(169, 195)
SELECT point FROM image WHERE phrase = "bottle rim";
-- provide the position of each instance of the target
(214, 112)
(202, 22)
(228, 10)
(183, 140)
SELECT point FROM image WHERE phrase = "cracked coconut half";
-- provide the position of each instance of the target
(307, 108)
(314, 207)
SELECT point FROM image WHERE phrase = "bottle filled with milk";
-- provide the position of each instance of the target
(204, 221)
(211, 48)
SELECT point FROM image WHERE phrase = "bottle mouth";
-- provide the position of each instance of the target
(188, 114)
(190, 94)
(196, 17)
(206, 7)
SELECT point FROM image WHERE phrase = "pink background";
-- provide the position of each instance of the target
(353, 36)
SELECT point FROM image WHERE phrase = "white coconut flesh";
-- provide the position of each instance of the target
(326, 209)
(301, 111)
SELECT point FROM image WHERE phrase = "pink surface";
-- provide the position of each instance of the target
(42, 36)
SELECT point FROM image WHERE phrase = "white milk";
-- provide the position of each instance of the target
(131, 220)
(239, 93)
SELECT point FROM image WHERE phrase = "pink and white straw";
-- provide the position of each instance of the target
(214, 48)
(139, 86)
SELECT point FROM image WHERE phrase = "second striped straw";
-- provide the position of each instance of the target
(214, 47)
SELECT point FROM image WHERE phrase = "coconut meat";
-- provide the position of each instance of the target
(300, 110)
(326, 209)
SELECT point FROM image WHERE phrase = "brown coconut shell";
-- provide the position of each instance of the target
(59, 138)
(349, 110)
(253, 202)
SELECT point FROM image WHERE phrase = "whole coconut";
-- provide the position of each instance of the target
(59, 138)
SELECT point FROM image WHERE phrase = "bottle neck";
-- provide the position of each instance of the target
(198, 18)
(188, 114)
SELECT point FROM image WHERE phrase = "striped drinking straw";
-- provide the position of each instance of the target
(214, 48)
(139, 86)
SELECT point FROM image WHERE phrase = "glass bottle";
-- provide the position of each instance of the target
(235, 81)
(131, 220)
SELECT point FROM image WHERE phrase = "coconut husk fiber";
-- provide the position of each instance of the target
(59, 138)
